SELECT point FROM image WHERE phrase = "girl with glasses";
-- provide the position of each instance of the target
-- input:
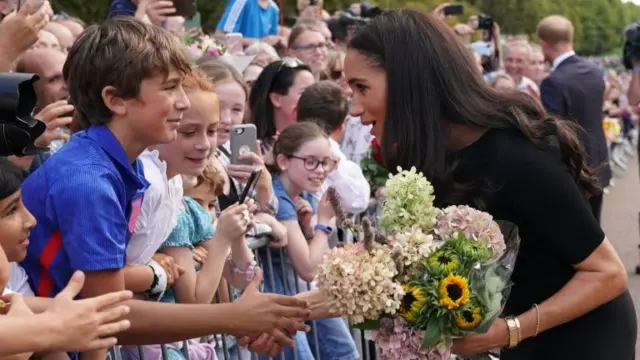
(303, 159)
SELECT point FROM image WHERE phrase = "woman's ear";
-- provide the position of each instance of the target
(275, 100)
(282, 162)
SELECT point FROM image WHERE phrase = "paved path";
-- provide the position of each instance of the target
(620, 221)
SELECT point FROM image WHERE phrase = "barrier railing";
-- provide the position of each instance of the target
(279, 277)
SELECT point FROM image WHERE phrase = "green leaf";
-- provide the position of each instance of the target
(368, 325)
(432, 333)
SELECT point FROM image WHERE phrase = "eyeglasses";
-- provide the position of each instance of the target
(289, 62)
(311, 163)
(311, 47)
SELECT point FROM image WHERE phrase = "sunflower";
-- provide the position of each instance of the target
(413, 301)
(475, 250)
(469, 318)
(454, 292)
(443, 260)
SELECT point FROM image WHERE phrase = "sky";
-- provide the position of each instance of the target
(637, 2)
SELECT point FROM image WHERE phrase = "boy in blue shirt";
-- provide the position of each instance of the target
(125, 79)
(256, 20)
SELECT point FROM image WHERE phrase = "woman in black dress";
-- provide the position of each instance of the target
(499, 152)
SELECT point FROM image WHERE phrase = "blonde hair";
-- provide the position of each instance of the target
(303, 26)
(212, 178)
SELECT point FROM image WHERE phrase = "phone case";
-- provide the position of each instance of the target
(243, 139)
(185, 8)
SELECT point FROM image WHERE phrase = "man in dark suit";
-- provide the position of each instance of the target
(575, 91)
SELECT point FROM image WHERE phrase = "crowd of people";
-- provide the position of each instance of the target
(139, 200)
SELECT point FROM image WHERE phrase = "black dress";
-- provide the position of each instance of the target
(533, 188)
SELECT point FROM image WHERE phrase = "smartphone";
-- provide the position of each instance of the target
(243, 140)
(313, 2)
(251, 184)
(234, 43)
(185, 8)
(454, 9)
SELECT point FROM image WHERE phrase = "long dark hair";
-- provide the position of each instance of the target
(434, 83)
(277, 78)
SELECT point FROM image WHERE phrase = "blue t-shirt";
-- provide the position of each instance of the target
(122, 8)
(287, 206)
(250, 19)
(86, 199)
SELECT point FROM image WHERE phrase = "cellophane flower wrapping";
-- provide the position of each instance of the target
(395, 340)
(358, 283)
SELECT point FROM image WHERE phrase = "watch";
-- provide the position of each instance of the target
(324, 228)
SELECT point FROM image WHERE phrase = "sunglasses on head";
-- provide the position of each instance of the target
(288, 62)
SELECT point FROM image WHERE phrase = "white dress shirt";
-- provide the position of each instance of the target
(159, 212)
(349, 182)
(18, 281)
(561, 58)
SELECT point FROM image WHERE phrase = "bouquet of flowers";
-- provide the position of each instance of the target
(437, 275)
(372, 168)
(198, 46)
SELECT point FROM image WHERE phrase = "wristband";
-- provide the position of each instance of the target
(159, 284)
(324, 228)
(248, 272)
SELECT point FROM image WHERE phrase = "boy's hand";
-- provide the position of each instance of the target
(87, 324)
(276, 315)
(52, 116)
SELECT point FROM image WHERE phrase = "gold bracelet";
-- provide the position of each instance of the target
(535, 306)
(513, 331)
(519, 329)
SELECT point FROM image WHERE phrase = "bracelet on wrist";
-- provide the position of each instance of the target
(513, 324)
(160, 281)
(248, 271)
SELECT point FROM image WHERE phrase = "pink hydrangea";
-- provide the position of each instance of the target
(395, 340)
(474, 224)
(359, 284)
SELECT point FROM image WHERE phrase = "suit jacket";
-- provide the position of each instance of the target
(575, 91)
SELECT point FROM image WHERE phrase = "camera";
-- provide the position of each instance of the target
(344, 23)
(18, 128)
(631, 47)
(485, 22)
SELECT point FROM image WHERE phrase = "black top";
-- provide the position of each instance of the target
(574, 91)
(533, 188)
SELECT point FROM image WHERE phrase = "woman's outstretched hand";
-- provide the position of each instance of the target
(276, 315)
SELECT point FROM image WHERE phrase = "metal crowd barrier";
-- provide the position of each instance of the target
(225, 346)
